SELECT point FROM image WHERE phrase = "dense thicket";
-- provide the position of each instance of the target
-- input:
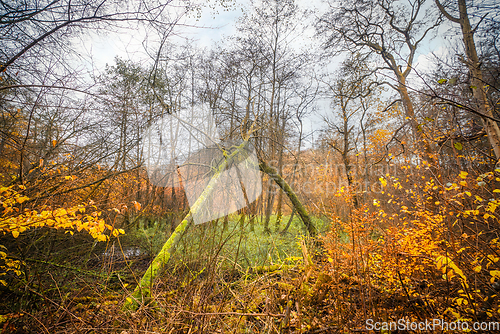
(389, 156)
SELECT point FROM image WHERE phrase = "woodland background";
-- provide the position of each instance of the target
(397, 172)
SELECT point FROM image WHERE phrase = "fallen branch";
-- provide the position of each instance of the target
(237, 313)
(271, 268)
(273, 174)
(143, 289)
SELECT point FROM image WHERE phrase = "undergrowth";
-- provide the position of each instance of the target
(225, 277)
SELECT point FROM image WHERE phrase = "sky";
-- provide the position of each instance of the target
(211, 26)
(214, 23)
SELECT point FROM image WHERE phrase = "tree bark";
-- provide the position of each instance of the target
(410, 113)
(143, 289)
(273, 174)
(490, 126)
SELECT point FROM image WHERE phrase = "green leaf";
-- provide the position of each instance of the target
(442, 81)
(473, 87)
(458, 146)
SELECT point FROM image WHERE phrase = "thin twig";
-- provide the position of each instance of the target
(237, 313)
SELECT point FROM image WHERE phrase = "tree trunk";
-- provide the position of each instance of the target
(143, 289)
(289, 222)
(490, 126)
(269, 207)
(273, 174)
(410, 113)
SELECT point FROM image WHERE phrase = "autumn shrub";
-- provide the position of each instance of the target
(425, 248)
(19, 214)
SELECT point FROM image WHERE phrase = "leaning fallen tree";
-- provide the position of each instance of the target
(301, 210)
(143, 290)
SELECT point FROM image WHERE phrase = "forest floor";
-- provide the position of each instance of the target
(229, 277)
(224, 278)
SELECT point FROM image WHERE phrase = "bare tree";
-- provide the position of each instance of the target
(34, 28)
(268, 29)
(474, 65)
(389, 29)
(350, 94)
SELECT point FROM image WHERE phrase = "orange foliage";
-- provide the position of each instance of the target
(430, 247)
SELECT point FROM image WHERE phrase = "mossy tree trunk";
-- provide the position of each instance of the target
(143, 289)
(301, 210)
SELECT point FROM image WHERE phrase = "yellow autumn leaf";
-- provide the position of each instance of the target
(494, 274)
(493, 258)
(22, 199)
(61, 212)
(15, 234)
